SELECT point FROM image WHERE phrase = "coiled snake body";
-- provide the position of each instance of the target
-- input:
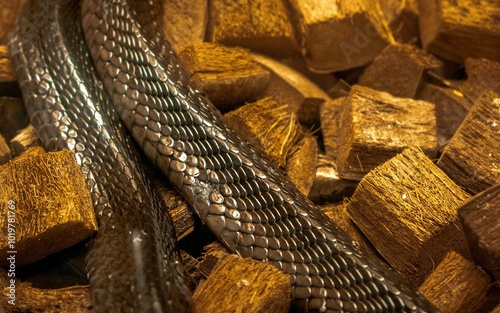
(76, 103)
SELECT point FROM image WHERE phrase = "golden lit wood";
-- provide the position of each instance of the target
(402, 17)
(25, 139)
(482, 75)
(301, 164)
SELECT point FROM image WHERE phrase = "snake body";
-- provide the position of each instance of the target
(251, 206)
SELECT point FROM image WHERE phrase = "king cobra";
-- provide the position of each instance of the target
(93, 72)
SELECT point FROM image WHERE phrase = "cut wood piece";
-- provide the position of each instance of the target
(480, 218)
(259, 25)
(75, 299)
(244, 285)
(330, 114)
(375, 126)
(456, 285)
(5, 154)
(49, 206)
(27, 138)
(339, 35)
(301, 164)
(456, 30)
(288, 86)
(451, 109)
(213, 253)
(407, 209)
(178, 209)
(399, 69)
(185, 22)
(229, 76)
(328, 187)
(191, 264)
(496, 309)
(402, 17)
(13, 117)
(482, 75)
(269, 125)
(472, 157)
(9, 11)
(8, 77)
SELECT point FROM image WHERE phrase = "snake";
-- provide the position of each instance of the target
(99, 78)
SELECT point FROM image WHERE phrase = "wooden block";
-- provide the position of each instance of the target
(399, 69)
(8, 13)
(13, 117)
(182, 216)
(266, 124)
(456, 285)
(259, 25)
(185, 22)
(244, 285)
(45, 199)
(407, 209)
(190, 264)
(402, 17)
(227, 75)
(330, 114)
(456, 30)
(213, 253)
(301, 164)
(375, 126)
(472, 157)
(8, 77)
(480, 218)
(451, 108)
(5, 154)
(339, 35)
(482, 75)
(288, 86)
(328, 187)
(27, 138)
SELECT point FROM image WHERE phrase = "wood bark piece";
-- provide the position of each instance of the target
(5, 154)
(399, 69)
(407, 208)
(456, 285)
(259, 25)
(27, 138)
(228, 76)
(330, 114)
(301, 164)
(213, 253)
(328, 187)
(45, 199)
(339, 35)
(266, 124)
(375, 126)
(13, 117)
(451, 109)
(402, 17)
(244, 285)
(185, 22)
(472, 157)
(456, 30)
(480, 218)
(482, 75)
(178, 209)
(8, 12)
(8, 77)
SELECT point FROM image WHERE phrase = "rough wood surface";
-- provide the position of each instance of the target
(259, 25)
(330, 114)
(182, 216)
(5, 154)
(301, 164)
(456, 285)
(375, 126)
(25, 139)
(407, 208)
(228, 76)
(482, 75)
(460, 29)
(399, 70)
(402, 17)
(243, 285)
(472, 157)
(480, 218)
(13, 117)
(49, 204)
(185, 22)
(9, 9)
(213, 253)
(339, 35)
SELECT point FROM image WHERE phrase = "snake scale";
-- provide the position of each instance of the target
(89, 70)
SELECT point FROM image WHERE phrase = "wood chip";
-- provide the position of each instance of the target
(480, 218)
(339, 35)
(27, 138)
(259, 25)
(13, 117)
(182, 217)
(8, 12)
(48, 202)
(407, 208)
(456, 285)
(456, 30)
(8, 77)
(375, 126)
(244, 285)
(5, 154)
(482, 75)
(330, 114)
(472, 157)
(229, 76)
(402, 17)
(301, 164)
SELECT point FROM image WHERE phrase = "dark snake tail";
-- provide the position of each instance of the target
(133, 263)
